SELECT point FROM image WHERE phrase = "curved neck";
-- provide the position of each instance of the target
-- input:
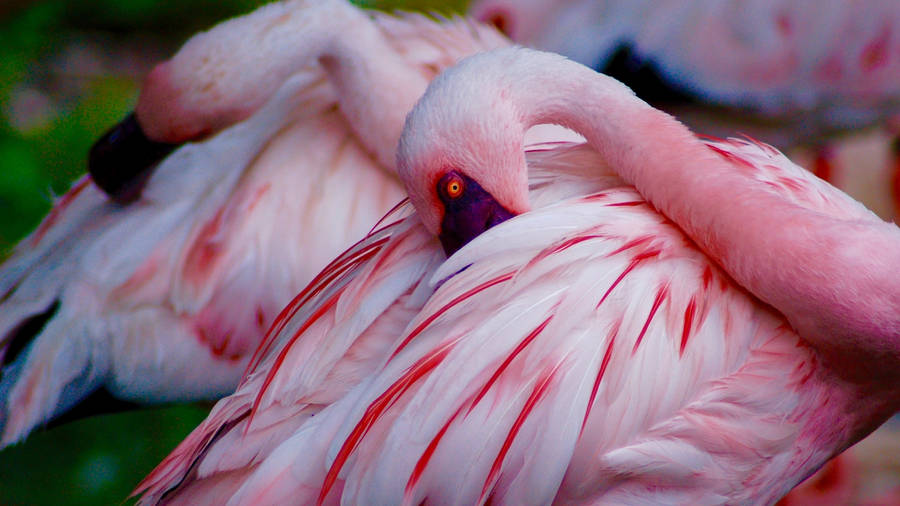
(833, 276)
(222, 76)
(376, 88)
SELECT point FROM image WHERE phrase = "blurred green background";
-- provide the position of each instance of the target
(68, 71)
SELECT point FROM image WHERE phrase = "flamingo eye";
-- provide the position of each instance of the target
(452, 185)
(454, 188)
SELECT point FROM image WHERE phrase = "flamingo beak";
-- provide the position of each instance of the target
(121, 161)
(466, 217)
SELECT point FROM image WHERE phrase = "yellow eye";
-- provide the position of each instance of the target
(454, 187)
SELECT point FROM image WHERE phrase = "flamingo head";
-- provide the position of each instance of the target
(212, 82)
(124, 158)
(168, 114)
(461, 155)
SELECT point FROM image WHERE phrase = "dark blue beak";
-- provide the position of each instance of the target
(469, 214)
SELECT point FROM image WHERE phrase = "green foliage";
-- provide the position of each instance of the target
(93, 461)
(175, 17)
(446, 6)
(20, 190)
(63, 145)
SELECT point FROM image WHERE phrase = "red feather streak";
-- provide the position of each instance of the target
(595, 196)
(324, 308)
(634, 263)
(387, 214)
(426, 456)
(472, 402)
(522, 345)
(562, 246)
(338, 267)
(631, 244)
(378, 407)
(688, 322)
(707, 277)
(427, 321)
(731, 157)
(59, 208)
(630, 203)
(540, 390)
(605, 362)
(660, 297)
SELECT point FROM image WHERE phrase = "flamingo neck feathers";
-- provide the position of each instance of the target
(391, 87)
(833, 276)
(216, 79)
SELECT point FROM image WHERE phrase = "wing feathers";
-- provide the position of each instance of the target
(491, 382)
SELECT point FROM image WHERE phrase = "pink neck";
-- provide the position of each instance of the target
(376, 88)
(834, 278)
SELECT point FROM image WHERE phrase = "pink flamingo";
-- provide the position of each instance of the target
(790, 73)
(712, 335)
(165, 298)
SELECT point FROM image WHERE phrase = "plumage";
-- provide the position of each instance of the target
(586, 350)
(166, 298)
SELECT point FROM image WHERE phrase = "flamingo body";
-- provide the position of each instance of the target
(165, 299)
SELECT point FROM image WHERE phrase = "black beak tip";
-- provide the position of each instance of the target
(122, 160)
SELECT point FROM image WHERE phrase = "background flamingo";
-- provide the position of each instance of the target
(164, 299)
(581, 351)
(789, 73)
